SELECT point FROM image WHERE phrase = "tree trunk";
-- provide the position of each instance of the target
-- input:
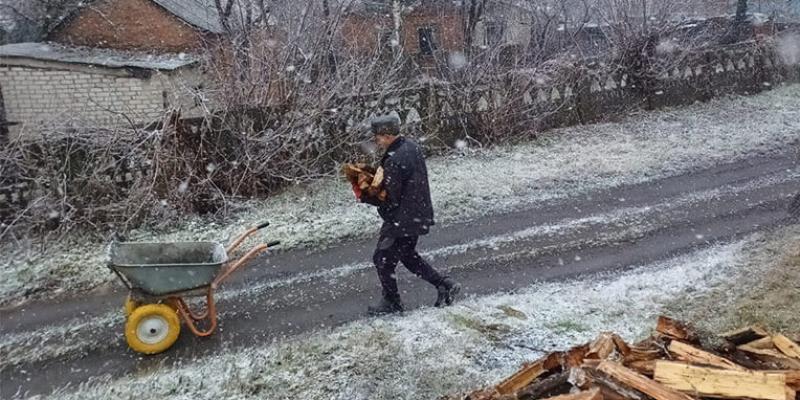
(737, 30)
(741, 11)
(397, 19)
(474, 15)
(3, 121)
(740, 21)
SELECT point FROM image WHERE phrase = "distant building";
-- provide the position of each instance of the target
(116, 62)
(43, 83)
(149, 25)
(430, 32)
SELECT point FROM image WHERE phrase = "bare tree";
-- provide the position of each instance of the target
(474, 14)
(739, 21)
(34, 19)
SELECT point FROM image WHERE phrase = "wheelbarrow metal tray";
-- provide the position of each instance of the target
(164, 268)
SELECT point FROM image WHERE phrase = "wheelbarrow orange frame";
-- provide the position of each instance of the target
(210, 312)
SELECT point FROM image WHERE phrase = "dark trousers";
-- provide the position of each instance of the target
(392, 250)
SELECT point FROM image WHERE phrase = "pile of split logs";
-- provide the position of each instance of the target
(365, 179)
(670, 365)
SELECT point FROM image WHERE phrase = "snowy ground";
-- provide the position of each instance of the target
(82, 335)
(571, 160)
(431, 352)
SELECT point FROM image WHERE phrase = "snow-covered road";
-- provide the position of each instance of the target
(477, 183)
(541, 235)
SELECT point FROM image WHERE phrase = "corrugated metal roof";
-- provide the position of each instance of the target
(93, 56)
(200, 13)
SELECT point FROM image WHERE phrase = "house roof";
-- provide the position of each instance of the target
(199, 13)
(93, 56)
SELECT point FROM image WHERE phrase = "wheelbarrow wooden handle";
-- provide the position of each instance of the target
(236, 243)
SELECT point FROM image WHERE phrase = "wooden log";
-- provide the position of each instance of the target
(611, 394)
(591, 394)
(622, 347)
(377, 180)
(574, 357)
(528, 374)
(646, 368)
(640, 382)
(694, 355)
(719, 383)
(675, 329)
(749, 361)
(544, 387)
(590, 363)
(774, 357)
(745, 335)
(488, 394)
(786, 346)
(792, 377)
(602, 347)
(764, 343)
(640, 353)
(587, 378)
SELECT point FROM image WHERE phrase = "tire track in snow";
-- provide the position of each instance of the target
(80, 337)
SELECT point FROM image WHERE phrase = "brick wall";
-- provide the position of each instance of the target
(446, 22)
(128, 25)
(362, 32)
(38, 96)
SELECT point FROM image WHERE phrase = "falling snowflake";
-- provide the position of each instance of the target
(457, 60)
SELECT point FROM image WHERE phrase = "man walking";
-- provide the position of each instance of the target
(407, 214)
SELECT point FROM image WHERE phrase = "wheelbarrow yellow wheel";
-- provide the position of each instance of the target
(152, 328)
(130, 305)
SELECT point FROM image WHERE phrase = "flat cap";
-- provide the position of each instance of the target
(386, 125)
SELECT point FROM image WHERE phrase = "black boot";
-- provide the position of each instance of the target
(386, 306)
(447, 291)
(794, 207)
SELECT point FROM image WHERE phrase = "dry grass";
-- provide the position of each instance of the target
(767, 292)
(776, 302)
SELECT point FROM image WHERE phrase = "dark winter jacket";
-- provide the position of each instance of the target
(408, 210)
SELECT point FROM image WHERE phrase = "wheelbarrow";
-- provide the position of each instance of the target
(159, 276)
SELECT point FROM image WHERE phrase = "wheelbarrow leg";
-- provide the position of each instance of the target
(178, 302)
(191, 318)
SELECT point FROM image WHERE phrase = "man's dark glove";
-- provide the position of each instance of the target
(367, 198)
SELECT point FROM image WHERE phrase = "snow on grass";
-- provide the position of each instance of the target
(431, 352)
(630, 222)
(768, 294)
(82, 335)
(636, 220)
(571, 160)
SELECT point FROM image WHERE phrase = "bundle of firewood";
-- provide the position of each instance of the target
(670, 365)
(365, 179)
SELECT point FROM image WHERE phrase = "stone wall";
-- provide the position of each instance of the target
(445, 113)
(592, 92)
